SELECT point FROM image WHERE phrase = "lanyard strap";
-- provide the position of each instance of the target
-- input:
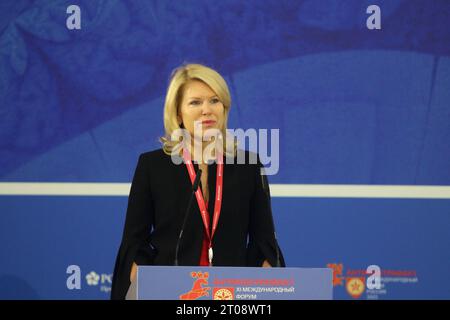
(201, 202)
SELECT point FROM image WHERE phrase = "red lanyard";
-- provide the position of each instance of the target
(201, 202)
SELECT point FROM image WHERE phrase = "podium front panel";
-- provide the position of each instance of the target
(231, 283)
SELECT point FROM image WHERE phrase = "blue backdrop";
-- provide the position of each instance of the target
(353, 105)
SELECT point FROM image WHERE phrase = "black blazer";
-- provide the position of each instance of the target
(157, 204)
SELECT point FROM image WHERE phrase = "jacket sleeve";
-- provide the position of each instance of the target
(262, 243)
(135, 245)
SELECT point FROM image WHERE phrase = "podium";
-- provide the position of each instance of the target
(231, 283)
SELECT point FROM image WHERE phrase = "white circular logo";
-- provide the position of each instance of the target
(92, 278)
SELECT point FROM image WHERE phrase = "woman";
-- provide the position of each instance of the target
(229, 222)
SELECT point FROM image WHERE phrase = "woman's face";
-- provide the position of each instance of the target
(200, 108)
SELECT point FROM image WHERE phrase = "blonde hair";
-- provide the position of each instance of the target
(180, 76)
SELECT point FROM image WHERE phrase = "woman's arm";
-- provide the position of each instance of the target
(263, 249)
(135, 248)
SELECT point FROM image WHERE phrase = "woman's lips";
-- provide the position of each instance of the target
(208, 122)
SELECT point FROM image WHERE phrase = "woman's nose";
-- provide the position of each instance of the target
(206, 107)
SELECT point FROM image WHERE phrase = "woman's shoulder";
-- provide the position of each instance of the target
(153, 154)
(246, 163)
(154, 157)
(245, 157)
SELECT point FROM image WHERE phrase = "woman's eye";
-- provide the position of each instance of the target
(215, 100)
(194, 103)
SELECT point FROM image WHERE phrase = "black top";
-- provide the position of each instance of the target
(157, 204)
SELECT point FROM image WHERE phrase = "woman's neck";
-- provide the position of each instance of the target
(198, 153)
